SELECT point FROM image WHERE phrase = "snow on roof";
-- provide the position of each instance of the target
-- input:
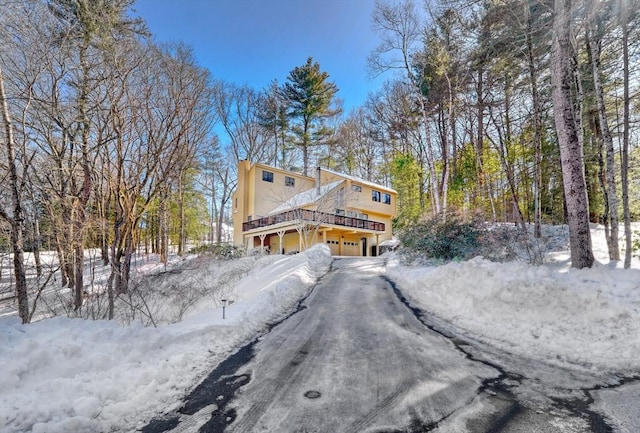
(359, 180)
(305, 197)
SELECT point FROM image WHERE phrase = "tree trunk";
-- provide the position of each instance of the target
(624, 169)
(163, 222)
(537, 127)
(181, 228)
(80, 205)
(15, 220)
(594, 46)
(104, 228)
(571, 152)
(37, 246)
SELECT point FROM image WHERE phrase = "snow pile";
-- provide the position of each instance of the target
(74, 375)
(588, 318)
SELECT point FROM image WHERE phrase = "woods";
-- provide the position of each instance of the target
(519, 111)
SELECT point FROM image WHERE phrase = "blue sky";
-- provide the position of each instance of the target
(253, 42)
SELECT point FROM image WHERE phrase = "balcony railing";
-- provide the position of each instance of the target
(315, 217)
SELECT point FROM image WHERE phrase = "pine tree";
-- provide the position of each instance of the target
(571, 152)
(310, 97)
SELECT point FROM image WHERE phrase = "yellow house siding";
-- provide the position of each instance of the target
(269, 195)
(363, 200)
(256, 198)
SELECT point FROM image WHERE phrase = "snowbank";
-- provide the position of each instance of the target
(73, 375)
(588, 318)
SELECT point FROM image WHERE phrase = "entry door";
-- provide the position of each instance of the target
(364, 246)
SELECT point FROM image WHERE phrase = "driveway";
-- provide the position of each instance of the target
(356, 358)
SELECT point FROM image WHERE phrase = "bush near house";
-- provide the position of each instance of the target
(441, 238)
(221, 251)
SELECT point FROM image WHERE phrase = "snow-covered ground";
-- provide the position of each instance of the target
(586, 319)
(74, 375)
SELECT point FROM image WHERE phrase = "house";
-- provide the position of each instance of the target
(288, 212)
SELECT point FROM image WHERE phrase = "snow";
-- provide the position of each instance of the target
(586, 319)
(62, 375)
(360, 180)
(305, 198)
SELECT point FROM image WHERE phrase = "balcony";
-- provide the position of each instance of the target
(313, 217)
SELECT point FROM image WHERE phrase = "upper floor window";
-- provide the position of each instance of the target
(386, 198)
(356, 188)
(289, 181)
(267, 176)
(375, 195)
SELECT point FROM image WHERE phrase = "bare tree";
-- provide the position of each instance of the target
(159, 120)
(402, 35)
(359, 152)
(593, 41)
(624, 11)
(15, 217)
(237, 108)
(88, 29)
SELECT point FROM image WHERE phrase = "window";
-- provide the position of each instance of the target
(386, 198)
(289, 181)
(356, 188)
(236, 202)
(267, 176)
(375, 195)
(340, 212)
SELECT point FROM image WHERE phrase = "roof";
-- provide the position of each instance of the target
(306, 197)
(359, 180)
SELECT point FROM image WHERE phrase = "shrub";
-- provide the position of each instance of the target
(441, 238)
(221, 251)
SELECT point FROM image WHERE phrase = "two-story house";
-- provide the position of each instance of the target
(288, 212)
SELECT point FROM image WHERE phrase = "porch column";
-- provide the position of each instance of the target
(262, 236)
(281, 235)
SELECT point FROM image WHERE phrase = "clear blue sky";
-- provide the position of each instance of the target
(253, 42)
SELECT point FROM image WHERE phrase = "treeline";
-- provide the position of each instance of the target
(521, 111)
(111, 140)
(477, 119)
(102, 135)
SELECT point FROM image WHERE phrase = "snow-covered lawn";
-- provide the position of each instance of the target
(587, 319)
(74, 375)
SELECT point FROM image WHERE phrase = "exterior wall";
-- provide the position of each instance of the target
(240, 202)
(269, 195)
(260, 197)
(363, 201)
(255, 198)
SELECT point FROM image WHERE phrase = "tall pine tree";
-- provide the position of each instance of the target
(310, 99)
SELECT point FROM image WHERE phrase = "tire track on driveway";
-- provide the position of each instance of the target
(357, 357)
(369, 362)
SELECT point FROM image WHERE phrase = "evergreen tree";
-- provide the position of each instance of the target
(310, 98)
